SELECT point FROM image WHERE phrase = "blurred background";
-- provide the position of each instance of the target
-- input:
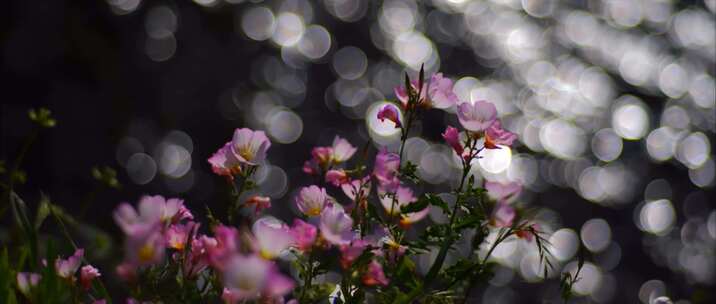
(613, 102)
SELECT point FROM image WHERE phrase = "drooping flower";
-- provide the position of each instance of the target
(386, 168)
(495, 135)
(337, 177)
(342, 150)
(304, 234)
(311, 200)
(336, 225)
(403, 196)
(476, 116)
(87, 274)
(250, 146)
(390, 112)
(374, 275)
(251, 277)
(502, 192)
(272, 237)
(438, 93)
(503, 215)
(352, 251)
(259, 203)
(67, 268)
(26, 281)
(452, 138)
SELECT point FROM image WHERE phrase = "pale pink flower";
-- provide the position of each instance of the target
(336, 226)
(198, 258)
(495, 135)
(250, 146)
(304, 234)
(374, 275)
(337, 177)
(401, 93)
(147, 248)
(222, 245)
(386, 169)
(87, 274)
(390, 112)
(152, 210)
(452, 138)
(67, 268)
(224, 162)
(342, 150)
(26, 281)
(526, 234)
(502, 191)
(251, 277)
(311, 200)
(476, 116)
(440, 92)
(272, 237)
(259, 203)
(503, 215)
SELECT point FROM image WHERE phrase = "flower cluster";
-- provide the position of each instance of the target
(338, 227)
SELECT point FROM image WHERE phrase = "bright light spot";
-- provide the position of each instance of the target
(657, 217)
(562, 139)
(651, 290)
(495, 160)
(674, 80)
(161, 48)
(316, 42)
(704, 175)
(694, 150)
(285, 126)
(564, 243)
(596, 235)
(174, 160)
(606, 145)
(289, 29)
(661, 143)
(413, 49)
(630, 120)
(590, 278)
(258, 23)
(350, 62)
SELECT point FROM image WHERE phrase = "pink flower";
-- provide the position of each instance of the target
(224, 162)
(403, 197)
(126, 271)
(87, 274)
(311, 200)
(304, 234)
(439, 93)
(478, 116)
(144, 248)
(390, 112)
(177, 235)
(502, 192)
(222, 246)
(249, 146)
(374, 275)
(259, 203)
(251, 277)
(272, 237)
(495, 135)
(526, 234)
(26, 281)
(342, 150)
(503, 215)
(336, 225)
(198, 258)
(386, 168)
(153, 210)
(67, 268)
(337, 177)
(452, 138)
(352, 251)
